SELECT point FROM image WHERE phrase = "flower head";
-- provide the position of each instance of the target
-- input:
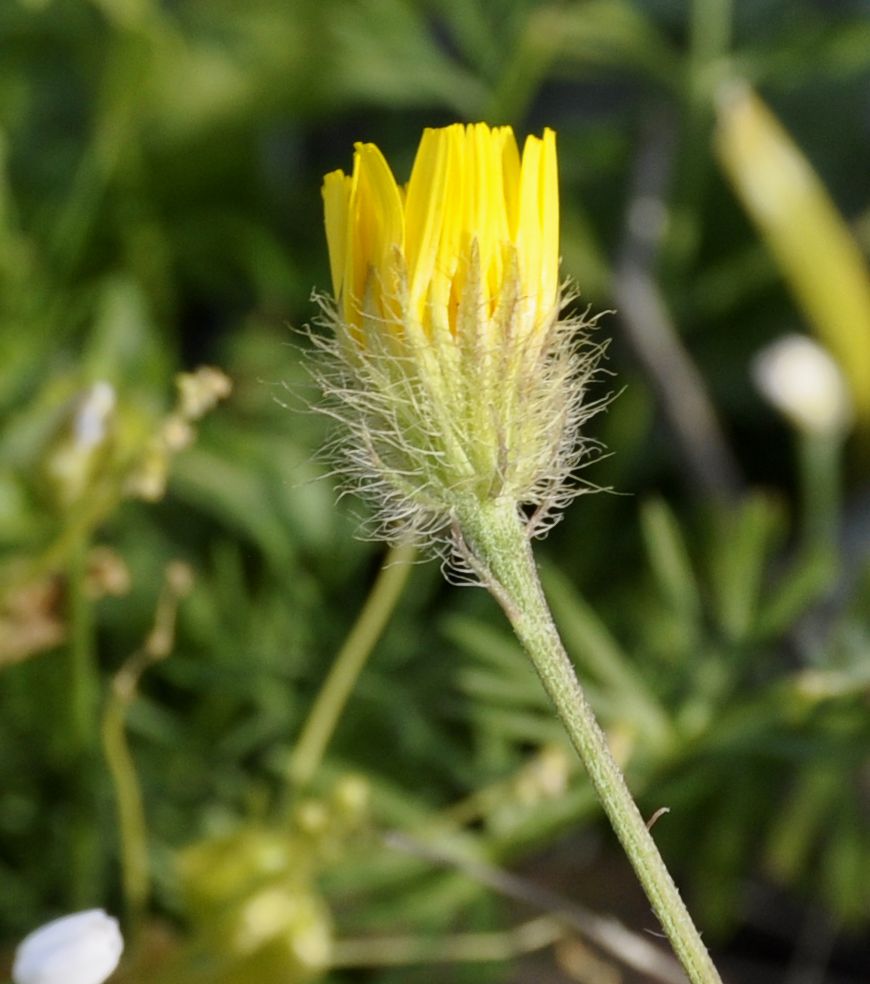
(83, 948)
(451, 366)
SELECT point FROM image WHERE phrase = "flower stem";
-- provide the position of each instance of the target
(133, 830)
(820, 459)
(129, 802)
(501, 555)
(495, 946)
(83, 693)
(349, 663)
(83, 675)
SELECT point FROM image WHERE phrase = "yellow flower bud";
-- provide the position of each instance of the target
(450, 365)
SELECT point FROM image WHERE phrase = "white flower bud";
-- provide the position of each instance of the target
(83, 948)
(93, 415)
(805, 384)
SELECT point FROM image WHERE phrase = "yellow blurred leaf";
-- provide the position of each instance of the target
(809, 239)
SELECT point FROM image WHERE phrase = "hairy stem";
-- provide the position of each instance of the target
(500, 552)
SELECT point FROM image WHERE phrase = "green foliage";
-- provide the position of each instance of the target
(159, 211)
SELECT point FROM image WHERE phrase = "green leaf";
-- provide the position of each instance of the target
(669, 557)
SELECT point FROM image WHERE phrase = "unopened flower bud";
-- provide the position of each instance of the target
(805, 384)
(199, 391)
(449, 364)
(83, 948)
(291, 914)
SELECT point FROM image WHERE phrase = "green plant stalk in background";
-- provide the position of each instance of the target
(129, 801)
(84, 689)
(348, 665)
(820, 462)
(132, 827)
(498, 549)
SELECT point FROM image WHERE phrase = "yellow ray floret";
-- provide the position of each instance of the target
(407, 253)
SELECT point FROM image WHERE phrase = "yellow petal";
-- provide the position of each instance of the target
(336, 200)
(510, 162)
(376, 228)
(387, 224)
(549, 208)
(528, 238)
(486, 218)
(460, 208)
(378, 187)
(424, 210)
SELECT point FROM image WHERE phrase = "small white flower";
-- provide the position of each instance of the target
(83, 948)
(805, 384)
(93, 415)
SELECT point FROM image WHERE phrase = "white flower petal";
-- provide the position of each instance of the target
(83, 948)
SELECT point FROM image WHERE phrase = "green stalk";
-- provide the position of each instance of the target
(500, 553)
(349, 663)
(129, 802)
(83, 695)
(133, 830)
(399, 951)
(820, 466)
(84, 682)
(709, 41)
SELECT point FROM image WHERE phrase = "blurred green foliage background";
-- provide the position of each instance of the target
(160, 163)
